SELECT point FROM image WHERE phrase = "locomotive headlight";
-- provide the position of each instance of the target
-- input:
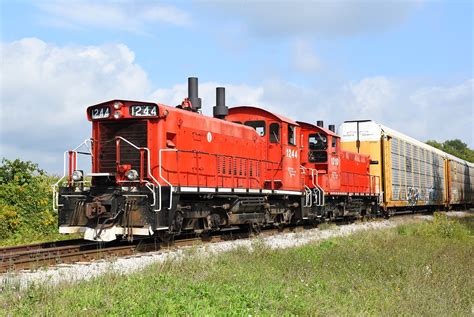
(117, 114)
(117, 105)
(77, 176)
(131, 175)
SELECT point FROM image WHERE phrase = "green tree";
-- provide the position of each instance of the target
(25, 199)
(455, 147)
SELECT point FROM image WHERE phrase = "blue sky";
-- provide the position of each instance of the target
(406, 64)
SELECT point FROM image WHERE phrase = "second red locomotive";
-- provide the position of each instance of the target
(161, 170)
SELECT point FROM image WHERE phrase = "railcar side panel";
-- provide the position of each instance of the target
(461, 182)
(412, 173)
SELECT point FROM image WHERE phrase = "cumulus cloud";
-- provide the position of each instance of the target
(134, 17)
(416, 109)
(46, 88)
(340, 18)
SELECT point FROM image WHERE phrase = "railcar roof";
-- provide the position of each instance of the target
(402, 136)
(391, 132)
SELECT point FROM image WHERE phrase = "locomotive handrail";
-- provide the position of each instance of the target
(148, 172)
(317, 186)
(71, 159)
(161, 176)
(308, 190)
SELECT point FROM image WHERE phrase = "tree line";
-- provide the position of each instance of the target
(454, 147)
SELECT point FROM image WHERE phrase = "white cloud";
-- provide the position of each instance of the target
(340, 18)
(46, 88)
(304, 58)
(414, 108)
(134, 17)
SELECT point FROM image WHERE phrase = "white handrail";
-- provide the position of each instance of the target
(161, 176)
(56, 185)
(317, 185)
(148, 172)
(310, 203)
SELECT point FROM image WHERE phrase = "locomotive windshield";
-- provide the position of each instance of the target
(318, 141)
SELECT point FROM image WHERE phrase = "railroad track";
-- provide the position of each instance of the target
(34, 256)
(53, 253)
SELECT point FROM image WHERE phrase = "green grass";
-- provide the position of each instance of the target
(31, 237)
(417, 269)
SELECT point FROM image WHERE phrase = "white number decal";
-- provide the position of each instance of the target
(291, 153)
(100, 113)
(143, 111)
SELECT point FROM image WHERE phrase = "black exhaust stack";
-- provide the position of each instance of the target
(332, 127)
(220, 110)
(193, 93)
(320, 123)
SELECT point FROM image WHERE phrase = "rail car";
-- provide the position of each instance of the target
(415, 175)
(160, 170)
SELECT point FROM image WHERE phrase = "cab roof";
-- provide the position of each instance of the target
(256, 110)
(312, 126)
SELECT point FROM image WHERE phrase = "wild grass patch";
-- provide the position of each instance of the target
(421, 269)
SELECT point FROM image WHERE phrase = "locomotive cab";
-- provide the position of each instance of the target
(281, 145)
(334, 178)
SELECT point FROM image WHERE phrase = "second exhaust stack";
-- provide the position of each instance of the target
(220, 110)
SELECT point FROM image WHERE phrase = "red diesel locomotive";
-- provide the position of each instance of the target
(161, 170)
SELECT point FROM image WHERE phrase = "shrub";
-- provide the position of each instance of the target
(443, 227)
(25, 199)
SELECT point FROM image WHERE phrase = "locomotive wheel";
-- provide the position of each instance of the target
(256, 229)
(280, 226)
(206, 235)
(165, 237)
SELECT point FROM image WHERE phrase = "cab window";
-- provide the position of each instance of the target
(317, 141)
(318, 156)
(274, 133)
(333, 143)
(291, 135)
(258, 125)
